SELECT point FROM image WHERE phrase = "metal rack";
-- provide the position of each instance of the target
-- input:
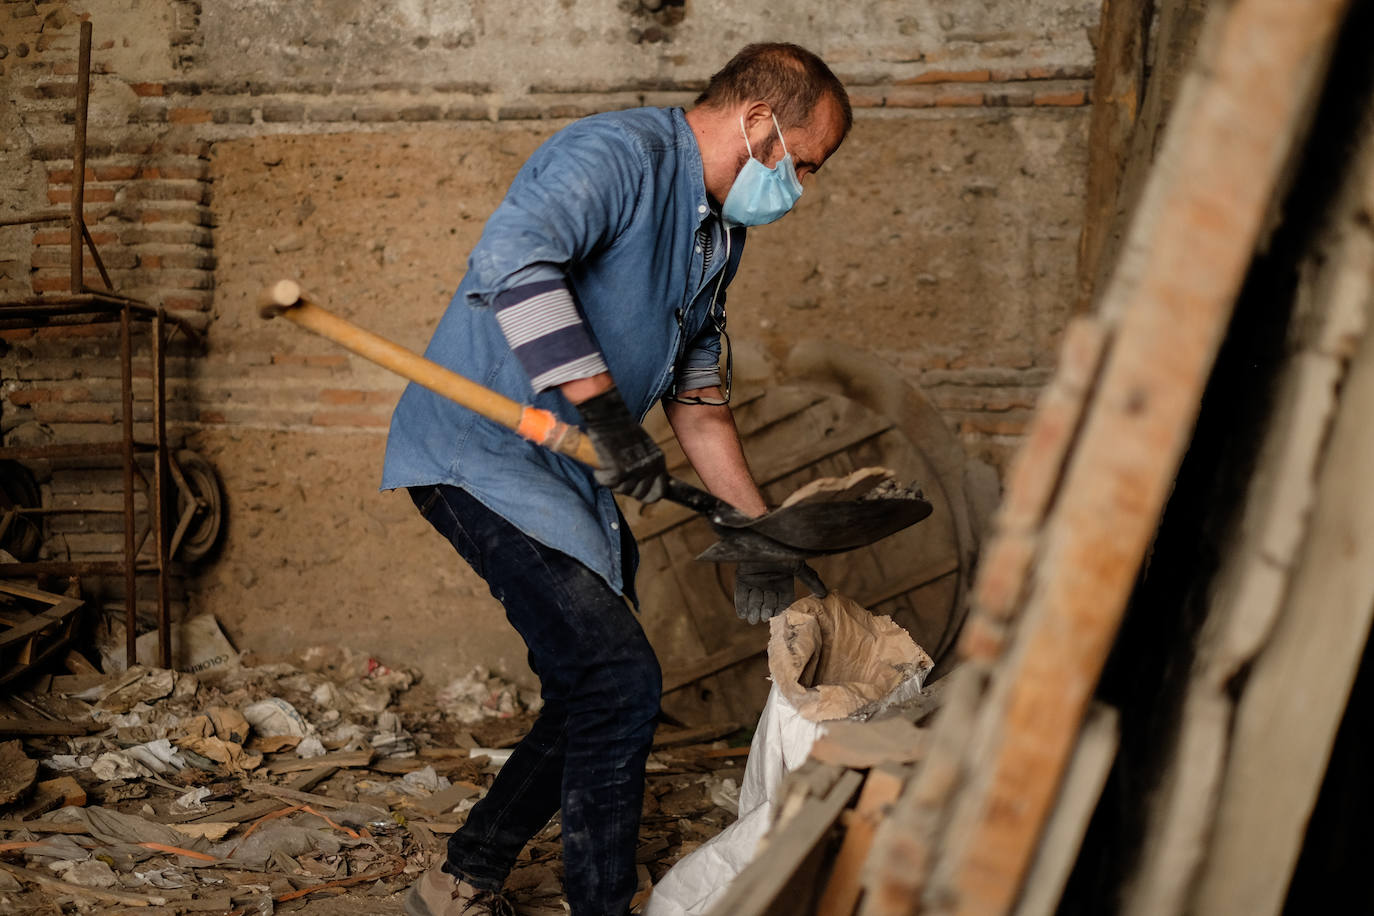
(88, 306)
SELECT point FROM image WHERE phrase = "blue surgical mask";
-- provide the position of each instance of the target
(761, 195)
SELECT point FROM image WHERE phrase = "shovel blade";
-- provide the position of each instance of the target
(815, 529)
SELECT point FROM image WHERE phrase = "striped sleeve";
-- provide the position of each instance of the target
(547, 334)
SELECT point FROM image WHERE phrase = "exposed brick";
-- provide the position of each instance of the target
(355, 396)
(910, 97)
(53, 256)
(1060, 99)
(333, 112)
(195, 192)
(147, 89)
(1014, 424)
(466, 112)
(948, 76)
(959, 99)
(197, 171)
(329, 361)
(520, 111)
(238, 115)
(376, 113)
(115, 172)
(867, 97)
(185, 301)
(64, 176)
(283, 111)
(50, 283)
(168, 234)
(190, 260)
(185, 279)
(349, 418)
(189, 116)
(90, 195)
(212, 416)
(421, 113)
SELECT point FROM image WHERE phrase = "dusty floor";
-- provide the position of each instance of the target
(79, 812)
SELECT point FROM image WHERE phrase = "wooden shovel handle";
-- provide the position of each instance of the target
(284, 298)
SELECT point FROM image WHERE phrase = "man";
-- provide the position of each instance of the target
(597, 290)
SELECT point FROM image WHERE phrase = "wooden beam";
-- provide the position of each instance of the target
(970, 823)
(1118, 84)
(1171, 299)
(1087, 774)
(1337, 283)
(1287, 718)
(757, 889)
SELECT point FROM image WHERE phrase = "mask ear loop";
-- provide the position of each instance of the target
(747, 147)
(781, 138)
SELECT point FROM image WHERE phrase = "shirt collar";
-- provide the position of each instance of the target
(694, 173)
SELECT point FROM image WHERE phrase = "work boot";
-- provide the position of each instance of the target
(438, 893)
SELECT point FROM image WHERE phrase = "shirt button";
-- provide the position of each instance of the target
(701, 208)
(698, 249)
(615, 526)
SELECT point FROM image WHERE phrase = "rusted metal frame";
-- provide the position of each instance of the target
(95, 256)
(34, 218)
(83, 95)
(67, 568)
(70, 450)
(126, 373)
(159, 494)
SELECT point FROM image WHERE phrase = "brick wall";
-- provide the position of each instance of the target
(231, 144)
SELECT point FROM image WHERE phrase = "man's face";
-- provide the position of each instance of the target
(810, 143)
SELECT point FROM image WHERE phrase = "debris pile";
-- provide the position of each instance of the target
(247, 788)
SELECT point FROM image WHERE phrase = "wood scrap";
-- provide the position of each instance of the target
(966, 831)
(446, 800)
(791, 842)
(338, 759)
(1083, 782)
(104, 895)
(676, 737)
(43, 727)
(861, 745)
(880, 789)
(17, 772)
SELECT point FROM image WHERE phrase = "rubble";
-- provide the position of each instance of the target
(253, 785)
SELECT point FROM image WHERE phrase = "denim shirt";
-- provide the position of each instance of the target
(613, 203)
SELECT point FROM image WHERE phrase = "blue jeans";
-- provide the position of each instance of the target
(585, 754)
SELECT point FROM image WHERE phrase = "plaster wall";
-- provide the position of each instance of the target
(358, 147)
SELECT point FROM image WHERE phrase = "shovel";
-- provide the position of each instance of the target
(795, 531)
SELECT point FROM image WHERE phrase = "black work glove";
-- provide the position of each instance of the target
(631, 462)
(763, 588)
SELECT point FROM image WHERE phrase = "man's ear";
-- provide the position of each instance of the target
(756, 113)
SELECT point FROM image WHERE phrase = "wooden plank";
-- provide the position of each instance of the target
(1169, 304)
(36, 727)
(66, 888)
(1295, 694)
(17, 772)
(759, 887)
(1336, 285)
(1078, 797)
(337, 759)
(842, 889)
(1118, 84)
(862, 745)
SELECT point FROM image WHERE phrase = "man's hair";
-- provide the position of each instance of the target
(788, 77)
